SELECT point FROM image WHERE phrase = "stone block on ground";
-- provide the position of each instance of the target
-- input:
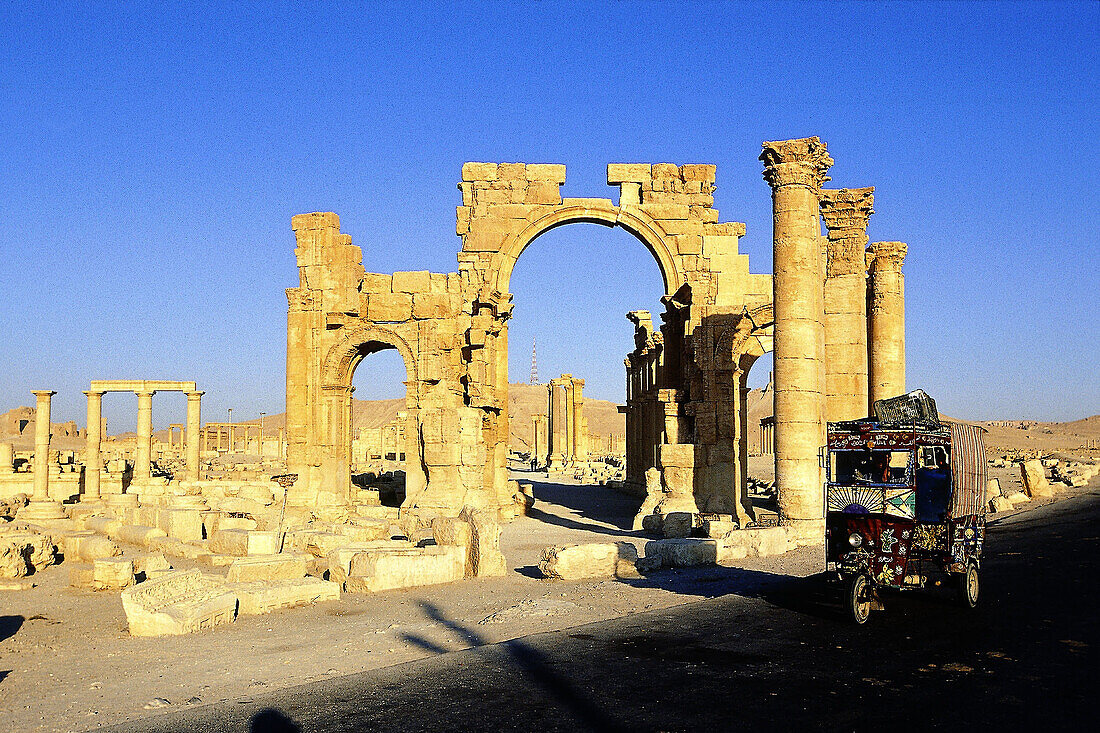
(179, 602)
(763, 542)
(137, 534)
(992, 489)
(112, 573)
(182, 524)
(679, 553)
(91, 547)
(286, 566)
(1017, 498)
(149, 564)
(340, 559)
(263, 597)
(999, 504)
(484, 558)
(242, 542)
(372, 572)
(1035, 479)
(678, 524)
(594, 560)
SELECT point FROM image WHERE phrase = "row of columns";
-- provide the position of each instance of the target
(839, 331)
(565, 433)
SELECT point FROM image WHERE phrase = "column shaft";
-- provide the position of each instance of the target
(143, 463)
(194, 430)
(93, 461)
(886, 320)
(42, 445)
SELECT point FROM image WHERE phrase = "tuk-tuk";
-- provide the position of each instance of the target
(904, 498)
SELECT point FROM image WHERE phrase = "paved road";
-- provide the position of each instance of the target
(778, 654)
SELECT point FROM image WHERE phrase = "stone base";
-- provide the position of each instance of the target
(38, 510)
(120, 501)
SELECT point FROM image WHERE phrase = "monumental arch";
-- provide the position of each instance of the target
(685, 407)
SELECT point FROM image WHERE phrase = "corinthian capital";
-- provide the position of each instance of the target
(802, 162)
(887, 255)
(847, 208)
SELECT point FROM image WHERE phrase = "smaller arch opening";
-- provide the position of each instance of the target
(379, 422)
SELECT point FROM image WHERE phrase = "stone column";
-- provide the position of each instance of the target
(553, 442)
(567, 415)
(886, 319)
(93, 461)
(580, 449)
(194, 429)
(846, 212)
(7, 459)
(143, 454)
(41, 506)
(795, 169)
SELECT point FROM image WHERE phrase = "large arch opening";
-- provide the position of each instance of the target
(572, 289)
(379, 424)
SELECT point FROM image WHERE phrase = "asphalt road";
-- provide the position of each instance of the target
(778, 653)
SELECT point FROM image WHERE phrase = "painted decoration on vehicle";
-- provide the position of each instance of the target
(930, 537)
(855, 500)
(901, 503)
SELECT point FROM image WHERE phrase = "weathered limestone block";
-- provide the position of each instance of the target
(485, 558)
(365, 529)
(150, 564)
(137, 534)
(992, 489)
(181, 524)
(595, 560)
(764, 542)
(1017, 498)
(285, 566)
(241, 542)
(552, 172)
(720, 527)
(412, 282)
(23, 552)
(678, 524)
(999, 504)
(389, 306)
(13, 561)
(340, 559)
(374, 572)
(678, 553)
(91, 547)
(653, 495)
(431, 305)
(1035, 479)
(112, 573)
(103, 525)
(264, 597)
(178, 603)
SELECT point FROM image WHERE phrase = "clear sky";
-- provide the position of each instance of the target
(152, 154)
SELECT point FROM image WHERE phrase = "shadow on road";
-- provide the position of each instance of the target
(9, 626)
(272, 720)
(533, 664)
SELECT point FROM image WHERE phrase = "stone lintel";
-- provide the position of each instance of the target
(141, 385)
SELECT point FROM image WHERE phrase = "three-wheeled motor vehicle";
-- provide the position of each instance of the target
(905, 505)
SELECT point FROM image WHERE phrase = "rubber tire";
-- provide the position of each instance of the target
(970, 586)
(859, 599)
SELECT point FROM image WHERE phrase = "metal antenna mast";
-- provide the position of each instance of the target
(534, 363)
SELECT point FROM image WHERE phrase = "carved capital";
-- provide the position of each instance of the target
(801, 162)
(887, 255)
(847, 208)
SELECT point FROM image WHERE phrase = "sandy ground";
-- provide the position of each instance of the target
(67, 661)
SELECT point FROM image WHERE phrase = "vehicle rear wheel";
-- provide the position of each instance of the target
(969, 586)
(860, 598)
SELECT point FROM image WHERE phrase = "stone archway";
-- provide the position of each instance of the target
(337, 372)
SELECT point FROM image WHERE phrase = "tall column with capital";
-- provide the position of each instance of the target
(567, 414)
(93, 461)
(795, 169)
(886, 319)
(553, 441)
(143, 454)
(194, 423)
(846, 212)
(41, 506)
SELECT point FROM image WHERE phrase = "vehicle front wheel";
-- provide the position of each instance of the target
(860, 597)
(969, 586)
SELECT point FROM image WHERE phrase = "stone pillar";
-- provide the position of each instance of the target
(568, 418)
(143, 454)
(41, 506)
(846, 212)
(194, 422)
(795, 169)
(886, 319)
(580, 449)
(559, 451)
(7, 459)
(93, 461)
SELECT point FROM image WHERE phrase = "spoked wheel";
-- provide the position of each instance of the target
(969, 586)
(860, 598)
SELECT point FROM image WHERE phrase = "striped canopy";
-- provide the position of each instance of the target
(968, 471)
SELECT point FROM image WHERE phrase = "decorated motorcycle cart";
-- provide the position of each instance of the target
(904, 502)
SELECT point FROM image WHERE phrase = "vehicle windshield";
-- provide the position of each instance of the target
(869, 466)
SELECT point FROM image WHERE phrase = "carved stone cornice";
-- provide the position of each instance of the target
(887, 255)
(802, 162)
(300, 299)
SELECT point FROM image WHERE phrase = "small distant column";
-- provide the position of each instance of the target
(580, 448)
(194, 421)
(7, 459)
(886, 319)
(93, 461)
(143, 464)
(568, 415)
(41, 506)
(538, 439)
(554, 431)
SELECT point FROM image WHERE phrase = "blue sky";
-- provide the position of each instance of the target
(151, 156)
